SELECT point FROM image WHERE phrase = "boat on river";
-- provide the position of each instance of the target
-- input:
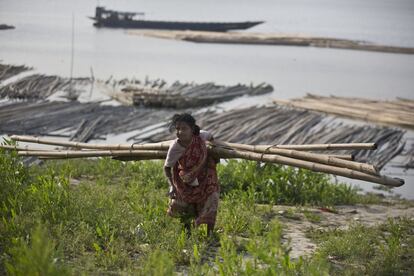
(116, 19)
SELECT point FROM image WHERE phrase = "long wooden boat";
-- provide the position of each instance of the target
(116, 19)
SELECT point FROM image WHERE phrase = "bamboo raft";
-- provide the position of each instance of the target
(255, 125)
(148, 93)
(8, 71)
(187, 95)
(399, 112)
(271, 39)
(38, 86)
(407, 159)
(280, 125)
(269, 153)
(67, 118)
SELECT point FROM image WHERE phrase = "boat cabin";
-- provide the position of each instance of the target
(102, 14)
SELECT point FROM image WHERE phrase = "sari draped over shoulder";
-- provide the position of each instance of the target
(194, 164)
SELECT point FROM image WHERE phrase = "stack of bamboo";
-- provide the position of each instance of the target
(186, 95)
(8, 71)
(291, 155)
(271, 39)
(38, 86)
(399, 112)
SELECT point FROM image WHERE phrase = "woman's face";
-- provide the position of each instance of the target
(184, 132)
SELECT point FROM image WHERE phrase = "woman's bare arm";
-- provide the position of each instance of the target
(168, 174)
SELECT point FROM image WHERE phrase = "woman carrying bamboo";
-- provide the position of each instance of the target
(192, 175)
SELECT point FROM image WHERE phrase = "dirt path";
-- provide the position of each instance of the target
(297, 220)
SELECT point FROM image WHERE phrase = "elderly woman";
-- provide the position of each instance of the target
(192, 175)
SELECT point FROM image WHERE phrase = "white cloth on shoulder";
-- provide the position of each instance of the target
(175, 150)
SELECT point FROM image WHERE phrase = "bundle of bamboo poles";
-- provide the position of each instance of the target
(291, 155)
(398, 112)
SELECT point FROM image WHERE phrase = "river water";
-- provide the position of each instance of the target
(43, 37)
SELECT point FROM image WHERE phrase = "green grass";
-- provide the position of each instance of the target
(114, 220)
(284, 185)
(386, 249)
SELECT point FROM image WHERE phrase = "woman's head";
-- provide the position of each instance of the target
(185, 126)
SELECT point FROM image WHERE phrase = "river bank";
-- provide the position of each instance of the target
(105, 216)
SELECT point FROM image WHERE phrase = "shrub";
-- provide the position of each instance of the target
(284, 185)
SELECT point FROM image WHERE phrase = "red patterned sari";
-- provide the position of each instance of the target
(201, 200)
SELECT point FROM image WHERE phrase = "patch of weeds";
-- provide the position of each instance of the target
(35, 257)
(290, 213)
(228, 261)
(271, 257)
(312, 216)
(371, 198)
(382, 250)
(236, 212)
(157, 263)
(384, 188)
(274, 184)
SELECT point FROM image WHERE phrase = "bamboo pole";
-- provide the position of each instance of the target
(349, 157)
(223, 153)
(313, 157)
(154, 154)
(165, 145)
(384, 180)
(226, 153)
(120, 158)
(325, 159)
(16, 147)
(308, 147)
(151, 146)
(27, 149)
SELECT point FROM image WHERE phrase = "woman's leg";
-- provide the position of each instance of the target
(210, 228)
(207, 212)
(184, 211)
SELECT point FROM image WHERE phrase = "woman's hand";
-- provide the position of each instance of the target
(171, 192)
